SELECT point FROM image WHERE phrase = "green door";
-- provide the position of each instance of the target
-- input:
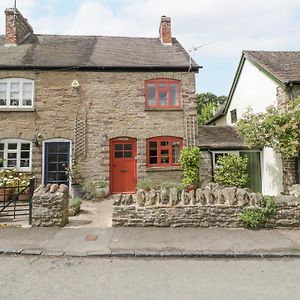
(254, 171)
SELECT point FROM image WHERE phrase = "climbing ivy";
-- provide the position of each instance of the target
(190, 160)
(277, 128)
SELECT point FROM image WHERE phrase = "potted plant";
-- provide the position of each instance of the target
(74, 174)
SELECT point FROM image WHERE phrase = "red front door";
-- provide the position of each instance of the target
(122, 165)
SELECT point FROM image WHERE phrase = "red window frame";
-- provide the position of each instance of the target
(158, 89)
(161, 147)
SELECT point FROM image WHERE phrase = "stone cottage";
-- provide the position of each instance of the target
(123, 107)
(264, 78)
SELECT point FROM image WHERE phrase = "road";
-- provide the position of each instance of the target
(96, 278)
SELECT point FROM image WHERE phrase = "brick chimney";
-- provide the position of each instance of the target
(165, 33)
(17, 27)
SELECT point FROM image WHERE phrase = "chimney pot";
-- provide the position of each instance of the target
(165, 33)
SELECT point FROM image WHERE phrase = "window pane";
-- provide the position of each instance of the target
(24, 163)
(164, 143)
(162, 98)
(1, 159)
(164, 156)
(151, 95)
(25, 154)
(127, 147)
(174, 94)
(14, 98)
(27, 102)
(1, 146)
(27, 94)
(128, 154)
(25, 146)
(118, 154)
(11, 163)
(162, 86)
(15, 86)
(175, 152)
(153, 145)
(27, 87)
(11, 155)
(12, 146)
(64, 148)
(52, 148)
(3, 93)
(52, 166)
(63, 158)
(3, 86)
(153, 160)
(118, 146)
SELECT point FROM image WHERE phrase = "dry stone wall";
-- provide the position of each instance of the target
(50, 206)
(212, 206)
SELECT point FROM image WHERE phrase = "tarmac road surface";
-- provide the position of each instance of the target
(36, 277)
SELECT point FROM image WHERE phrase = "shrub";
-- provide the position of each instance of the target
(256, 218)
(190, 160)
(75, 202)
(169, 185)
(231, 170)
(147, 185)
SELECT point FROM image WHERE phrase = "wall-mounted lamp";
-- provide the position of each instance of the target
(36, 139)
(75, 84)
(104, 138)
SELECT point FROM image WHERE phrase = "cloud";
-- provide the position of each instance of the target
(224, 27)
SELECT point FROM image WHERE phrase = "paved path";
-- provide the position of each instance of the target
(150, 241)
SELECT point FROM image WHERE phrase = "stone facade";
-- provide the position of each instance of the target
(212, 206)
(205, 168)
(108, 103)
(50, 206)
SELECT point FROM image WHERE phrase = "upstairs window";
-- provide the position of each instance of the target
(16, 93)
(233, 116)
(163, 151)
(15, 154)
(163, 93)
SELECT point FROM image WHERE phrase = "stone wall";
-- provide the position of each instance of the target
(50, 206)
(111, 104)
(290, 172)
(205, 170)
(212, 206)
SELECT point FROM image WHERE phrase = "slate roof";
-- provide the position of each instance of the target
(284, 65)
(219, 137)
(58, 51)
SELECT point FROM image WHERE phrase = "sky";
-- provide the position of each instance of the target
(222, 28)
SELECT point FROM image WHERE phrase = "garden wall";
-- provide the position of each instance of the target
(50, 206)
(212, 206)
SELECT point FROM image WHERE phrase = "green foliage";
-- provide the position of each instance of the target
(231, 170)
(74, 172)
(277, 128)
(206, 98)
(257, 218)
(90, 186)
(13, 178)
(207, 104)
(75, 202)
(147, 185)
(205, 114)
(190, 160)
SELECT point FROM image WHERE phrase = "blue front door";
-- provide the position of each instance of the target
(57, 160)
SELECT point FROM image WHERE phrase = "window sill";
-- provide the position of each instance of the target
(163, 169)
(163, 109)
(18, 109)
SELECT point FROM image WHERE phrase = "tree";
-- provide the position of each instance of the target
(206, 98)
(277, 128)
(207, 105)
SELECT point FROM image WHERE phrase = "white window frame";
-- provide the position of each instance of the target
(21, 81)
(235, 152)
(18, 151)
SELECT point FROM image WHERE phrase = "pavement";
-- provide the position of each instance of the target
(150, 242)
